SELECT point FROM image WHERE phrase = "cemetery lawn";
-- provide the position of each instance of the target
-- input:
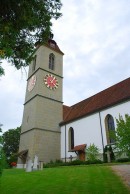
(63, 180)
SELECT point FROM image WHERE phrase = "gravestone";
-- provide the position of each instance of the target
(41, 165)
(29, 165)
(108, 156)
(36, 163)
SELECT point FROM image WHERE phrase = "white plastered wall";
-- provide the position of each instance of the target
(88, 130)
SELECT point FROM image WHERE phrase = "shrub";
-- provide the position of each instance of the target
(72, 163)
(52, 164)
(92, 152)
(93, 162)
(76, 162)
(123, 160)
(59, 161)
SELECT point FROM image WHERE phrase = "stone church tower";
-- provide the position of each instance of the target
(43, 108)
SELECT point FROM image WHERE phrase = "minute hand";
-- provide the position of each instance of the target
(52, 80)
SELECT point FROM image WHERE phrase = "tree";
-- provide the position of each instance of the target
(122, 135)
(1, 156)
(3, 163)
(1, 136)
(11, 144)
(92, 152)
(22, 23)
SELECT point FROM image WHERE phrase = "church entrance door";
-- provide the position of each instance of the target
(81, 155)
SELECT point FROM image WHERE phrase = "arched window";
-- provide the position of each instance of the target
(51, 61)
(110, 126)
(71, 138)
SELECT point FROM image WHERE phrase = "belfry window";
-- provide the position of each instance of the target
(34, 63)
(51, 61)
(71, 138)
(110, 127)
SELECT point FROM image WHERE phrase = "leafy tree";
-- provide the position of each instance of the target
(3, 163)
(11, 144)
(122, 135)
(1, 155)
(92, 152)
(1, 136)
(22, 23)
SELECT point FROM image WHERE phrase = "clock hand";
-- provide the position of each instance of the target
(52, 80)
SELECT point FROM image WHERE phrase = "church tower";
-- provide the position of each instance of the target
(40, 133)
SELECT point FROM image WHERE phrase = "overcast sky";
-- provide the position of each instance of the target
(95, 37)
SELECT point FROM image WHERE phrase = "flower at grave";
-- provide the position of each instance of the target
(13, 163)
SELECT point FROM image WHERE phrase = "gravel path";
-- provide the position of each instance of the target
(123, 171)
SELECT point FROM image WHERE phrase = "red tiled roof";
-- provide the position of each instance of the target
(56, 46)
(106, 98)
(79, 148)
(51, 44)
(66, 110)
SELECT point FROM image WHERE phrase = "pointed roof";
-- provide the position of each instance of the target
(50, 44)
(113, 95)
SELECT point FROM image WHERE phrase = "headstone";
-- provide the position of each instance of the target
(36, 163)
(41, 165)
(71, 157)
(29, 165)
(108, 156)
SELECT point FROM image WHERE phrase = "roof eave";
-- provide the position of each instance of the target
(95, 111)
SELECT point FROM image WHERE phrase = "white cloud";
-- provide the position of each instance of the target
(12, 95)
(95, 43)
(94, 35)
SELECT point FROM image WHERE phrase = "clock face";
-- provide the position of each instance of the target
(31, 83)
(51, 81)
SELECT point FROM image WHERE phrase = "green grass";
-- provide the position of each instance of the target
(63, 180)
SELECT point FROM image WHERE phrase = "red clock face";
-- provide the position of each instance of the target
(31, 83)
(51, 82)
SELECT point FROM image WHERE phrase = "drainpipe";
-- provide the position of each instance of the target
(101, 130)
(65, 143)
